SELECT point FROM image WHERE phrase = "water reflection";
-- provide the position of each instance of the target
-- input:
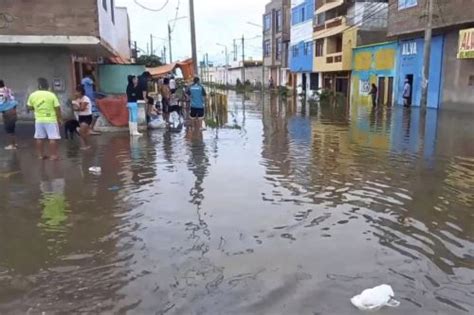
(304, 201)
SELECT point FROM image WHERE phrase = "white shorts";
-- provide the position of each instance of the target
(47, 131)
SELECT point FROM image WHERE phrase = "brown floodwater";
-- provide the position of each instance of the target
(288, 209)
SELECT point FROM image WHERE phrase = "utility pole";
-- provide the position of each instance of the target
(243, 60)
(193, 36)
(164, 54)
(169, 42)
(235, 51)
(207, 67)
(426, 57)
(151, 44)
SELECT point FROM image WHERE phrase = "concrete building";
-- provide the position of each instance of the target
(58, 40)
(301, 46)
(451, 81)
(340, 26)
(253, 73)
(374, 64)
(276, 39)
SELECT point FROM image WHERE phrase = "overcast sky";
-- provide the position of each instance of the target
(217, 21)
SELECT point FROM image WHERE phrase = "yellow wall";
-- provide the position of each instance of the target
(349, 40)
(363, 61)
(385, 59)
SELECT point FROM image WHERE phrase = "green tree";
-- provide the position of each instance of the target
(149, 61)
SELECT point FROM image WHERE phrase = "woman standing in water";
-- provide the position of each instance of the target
(133, 91)
(83, 105)
(8, 109)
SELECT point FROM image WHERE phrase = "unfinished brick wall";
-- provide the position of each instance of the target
(446, 13)
(49, 17)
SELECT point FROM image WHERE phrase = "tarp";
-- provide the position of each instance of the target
(115, 110)
(186, 67)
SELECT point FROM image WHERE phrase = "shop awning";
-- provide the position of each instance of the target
(186, 67)
(329, 6)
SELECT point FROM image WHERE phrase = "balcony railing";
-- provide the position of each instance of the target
(338, 21)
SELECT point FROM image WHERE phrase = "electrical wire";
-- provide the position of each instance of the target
(151, 9)
(365, 19)
(176, 16)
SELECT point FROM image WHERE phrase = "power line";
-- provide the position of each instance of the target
(151, 9)
(364, 19)
(176, 16)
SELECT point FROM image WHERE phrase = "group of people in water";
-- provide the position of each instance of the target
(169, 100)
(48, 115)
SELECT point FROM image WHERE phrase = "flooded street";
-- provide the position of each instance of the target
(290, 209)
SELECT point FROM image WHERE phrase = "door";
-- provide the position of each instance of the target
(303, 82)
(342, 86)
(390, 92)
(381, 92)
(410, 80)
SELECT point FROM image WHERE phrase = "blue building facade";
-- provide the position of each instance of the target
(301, 46)
(410, 66)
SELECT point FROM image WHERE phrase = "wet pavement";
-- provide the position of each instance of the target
(290, 209)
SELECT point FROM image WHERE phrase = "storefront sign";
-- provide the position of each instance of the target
(409, 48)
(466, 44)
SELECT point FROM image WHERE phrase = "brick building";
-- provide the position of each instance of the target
(58, 40)
(451, 82)
(276, 39)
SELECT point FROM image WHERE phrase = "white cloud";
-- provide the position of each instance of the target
(217, 21)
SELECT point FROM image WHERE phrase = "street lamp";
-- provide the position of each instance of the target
(226, 63)
(169, 34)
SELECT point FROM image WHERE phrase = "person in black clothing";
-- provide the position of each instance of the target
(143, 85)
(133, 95)
(373, 94)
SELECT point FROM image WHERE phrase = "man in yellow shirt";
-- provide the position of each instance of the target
(46, 107)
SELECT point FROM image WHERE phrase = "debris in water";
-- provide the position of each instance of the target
(375, 298)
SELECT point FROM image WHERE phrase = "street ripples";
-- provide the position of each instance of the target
(293, 212)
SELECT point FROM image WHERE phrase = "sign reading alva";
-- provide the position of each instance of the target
(466, 44)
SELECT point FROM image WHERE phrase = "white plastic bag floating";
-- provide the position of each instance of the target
(157, 123)
(96, 170)
(375, 298)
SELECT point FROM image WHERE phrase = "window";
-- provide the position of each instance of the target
(278, 21)
(302, 17)
(319, 47)
(112, 10)
(307, 48)
(295, 51)
(267, 48)
(405, 4)
(104, 4)
(278, 49)
(471, 80)
(267, 22)
(320, 18)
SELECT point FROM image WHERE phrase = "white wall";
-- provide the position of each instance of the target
(302, 32)
(116, 35)
(251, 73)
